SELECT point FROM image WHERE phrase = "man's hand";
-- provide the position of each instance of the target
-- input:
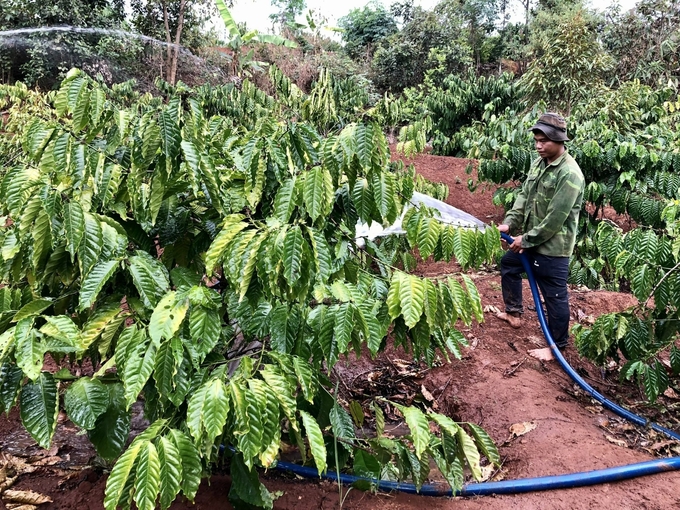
(516, 246)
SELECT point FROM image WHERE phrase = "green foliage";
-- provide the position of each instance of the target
(429, 40)
(571, 68)
(200, 252)
(459, 100)
(653, 25)
(30, 58)
(364, 29)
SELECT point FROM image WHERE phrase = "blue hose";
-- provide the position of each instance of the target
(581, 479)
(624, 413)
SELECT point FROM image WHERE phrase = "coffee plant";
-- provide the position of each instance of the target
(195, 253)
(627, 145)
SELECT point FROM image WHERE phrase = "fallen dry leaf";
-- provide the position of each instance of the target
(428, 396)
(17, 464)
(491, 309)
(20, 506)
(662, 444)
(670, 393)
(617, 442)
(602, 421)
(594, 409)
(519, 429)
(487, 472)
(26, 497)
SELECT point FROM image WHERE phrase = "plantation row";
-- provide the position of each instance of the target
(200, 251)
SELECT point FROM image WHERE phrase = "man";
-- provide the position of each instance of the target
(545, 215)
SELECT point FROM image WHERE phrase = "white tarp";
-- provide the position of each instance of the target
(447, 214)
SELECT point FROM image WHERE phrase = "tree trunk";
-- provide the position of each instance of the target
(178, 38)
(168, 41)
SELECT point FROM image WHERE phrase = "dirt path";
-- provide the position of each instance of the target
(495, 385)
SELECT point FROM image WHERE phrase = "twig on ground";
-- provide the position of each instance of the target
(509, 373)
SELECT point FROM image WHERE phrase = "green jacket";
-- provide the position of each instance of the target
(547, 207)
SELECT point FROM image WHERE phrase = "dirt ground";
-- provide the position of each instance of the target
(556, 428)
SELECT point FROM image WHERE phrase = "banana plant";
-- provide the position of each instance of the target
(242, 40)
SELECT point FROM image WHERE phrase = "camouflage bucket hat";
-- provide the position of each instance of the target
(553, 126)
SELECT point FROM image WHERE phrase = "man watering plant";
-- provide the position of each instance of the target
(543, 220)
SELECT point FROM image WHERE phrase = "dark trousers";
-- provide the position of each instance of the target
(551, 276)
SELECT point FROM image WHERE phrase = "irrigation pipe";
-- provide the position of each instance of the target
(567, 481)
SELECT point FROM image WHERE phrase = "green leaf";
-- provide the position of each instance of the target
(32, 309)
(148, 477)
(90, 245)
(322, 254)
(366, 465)
(245, 482)
(85, 400)
(363, 200)
(419, 426)
(191, 463)
(475, 300)
(207, 411)
(271, 423)
(110, 432)
(10, 383)
(231, 228)
(412, 297)
(205, 327)
(316, 443)
(117, 482)
(284, 392)
(135, 356)
(170, 471)
(341, 423)
(248, 421)
(168, 359)
(28, 351)
(306, 377)
(469, 451)
(74, 227)
(282, 328)
(285, 201)
(167, 317)
(428, 237)
(94, 282)
(39, 408)
(42, 239)
(317, 192)
(485, 444)
(150, 278)
(342, 330)
(292, 255)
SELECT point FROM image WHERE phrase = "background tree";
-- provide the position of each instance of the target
(430, 40)
(571, 68)
(35, 58)
(364, 29)
(288, 11)
(654, 25)
(177, 22)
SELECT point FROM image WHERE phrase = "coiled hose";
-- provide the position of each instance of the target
(580, 479)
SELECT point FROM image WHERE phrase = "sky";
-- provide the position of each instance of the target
(256, 12)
